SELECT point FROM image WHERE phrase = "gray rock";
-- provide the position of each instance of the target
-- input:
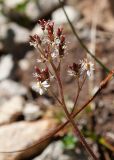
(27, 62)
(10, 88)
(37, 30)
(3, 30)
(18, 136)
(24, 64)
(12, 3)
(39, 8)
(14, 32)
(21, 33)
(43, 5)
(6, 65)
(31, 112)
(32, 8)
(56, 151)
(53, 151)
(3, 19)
(59, 17)
(11, 109)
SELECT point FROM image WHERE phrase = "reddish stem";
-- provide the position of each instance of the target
(77, 131)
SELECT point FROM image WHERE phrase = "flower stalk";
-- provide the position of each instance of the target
(76, 130)
(51, 47)
(52, 50)
(73, 115)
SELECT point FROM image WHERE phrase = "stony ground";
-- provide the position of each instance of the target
(24, 115)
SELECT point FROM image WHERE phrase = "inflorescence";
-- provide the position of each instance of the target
(52, 47)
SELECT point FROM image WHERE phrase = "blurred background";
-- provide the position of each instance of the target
(25, 116)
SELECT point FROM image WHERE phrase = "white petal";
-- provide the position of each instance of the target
(54, 54)
(71, 73)
(41, 91)
(88, 73)
(39, 60)
(35, 75)
(34, 87)
(38, 87)
(45, 84)
(57, 41)
(33, 44)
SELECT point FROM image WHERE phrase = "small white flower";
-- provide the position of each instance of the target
(87, 66)
(36, 75)
(39, 60)
(40, 87)
(54, 55)
(71, 72)
(45, 40)
(57, 41)
(34, 44)
(64, 47)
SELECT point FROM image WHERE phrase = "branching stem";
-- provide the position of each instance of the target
(76, 130)
(57, 129)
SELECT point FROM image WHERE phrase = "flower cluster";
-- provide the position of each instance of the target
(79, 69)
(42, 78)
(74, 70)
(52, 44)
(35, 40)
(87, 66)
(52, 47)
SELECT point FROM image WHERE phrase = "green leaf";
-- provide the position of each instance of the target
(69, 141)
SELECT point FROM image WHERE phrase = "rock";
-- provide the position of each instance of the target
(73, 15)
(3, 19)
(43, 5)
(18, 136)
(24, 64)
(32, 8)
(40, 8)
(21, 34)
(37, 30)
(14, 33)
(56, 151)
(10, 88)
(27, 62)
(31, 112)
(12, 3)
(51, 152)
(11, 110)
(6, 65)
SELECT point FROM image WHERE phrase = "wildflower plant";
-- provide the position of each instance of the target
(52, 48)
